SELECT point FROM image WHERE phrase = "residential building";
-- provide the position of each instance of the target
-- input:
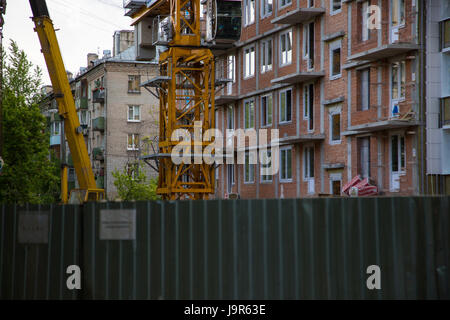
(119, 118)
(354, 88)
(342, 81)
(437, 98)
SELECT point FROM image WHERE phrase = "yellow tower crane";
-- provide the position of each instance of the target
(186, 89)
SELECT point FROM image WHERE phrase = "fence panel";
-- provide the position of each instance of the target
(228, 249)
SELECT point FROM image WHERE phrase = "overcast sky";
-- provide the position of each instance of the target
(85, 26)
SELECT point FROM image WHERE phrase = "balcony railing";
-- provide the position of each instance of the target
(97, 153)
(55, 140)
(100, 182)
(98, 124)
(98, 96)
(81, 103)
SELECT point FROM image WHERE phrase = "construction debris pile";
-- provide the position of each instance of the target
(358, 187)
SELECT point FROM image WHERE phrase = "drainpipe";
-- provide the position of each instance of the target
(423, 184)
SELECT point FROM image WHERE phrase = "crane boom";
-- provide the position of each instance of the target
(66, 106)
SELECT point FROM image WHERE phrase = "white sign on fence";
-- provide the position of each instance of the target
(118, 224)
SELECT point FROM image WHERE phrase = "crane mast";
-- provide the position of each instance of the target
(186, 93)
(66, 106)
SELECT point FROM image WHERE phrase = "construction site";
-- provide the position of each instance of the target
(230, 150)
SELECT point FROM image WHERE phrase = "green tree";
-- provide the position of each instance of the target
(30, 174)
(132, 184)
(21, 77)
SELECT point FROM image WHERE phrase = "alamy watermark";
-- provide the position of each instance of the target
(213, 147)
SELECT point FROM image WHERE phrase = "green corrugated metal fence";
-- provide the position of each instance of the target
(235, 249)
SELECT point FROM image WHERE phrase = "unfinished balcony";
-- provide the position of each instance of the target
(225, 99)
(298, 77)
(384, 51)
(299, 15)
(302, 138)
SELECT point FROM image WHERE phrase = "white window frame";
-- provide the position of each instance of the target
(333, 112)
(391, 13)
(286, 3)
(285, 55)
(80, 116)
(249, 13)
(265, 12)
(333, 46)
(306, 44)
(401, 171)
(251, 168)
(285, 165)
(135, 76)
(264, 106)
(248, 121)
(231, 59)
(134, 146)
(249, 62)
(284, 121)
(401, 70)
(135, 107)
(266, 65)
(266, 178)
(332, 11)
(307, 164)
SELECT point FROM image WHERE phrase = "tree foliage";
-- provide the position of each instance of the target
(21, 77)
(30, 174)
(133, 185)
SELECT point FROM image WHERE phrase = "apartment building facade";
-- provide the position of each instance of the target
(438, 95)
(118, 117)
(347, 99)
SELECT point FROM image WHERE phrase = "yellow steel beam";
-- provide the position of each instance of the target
(66, 104)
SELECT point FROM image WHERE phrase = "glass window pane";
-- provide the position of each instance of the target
(289, 164)
(402, 11)
(311, 162)
(446, 34)
(269, 53)
(402, 154)
(336, 61)
(336, 127)
(394, 153)
(395, 12)
(283, 106)
(269, 110)
(288, 105)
